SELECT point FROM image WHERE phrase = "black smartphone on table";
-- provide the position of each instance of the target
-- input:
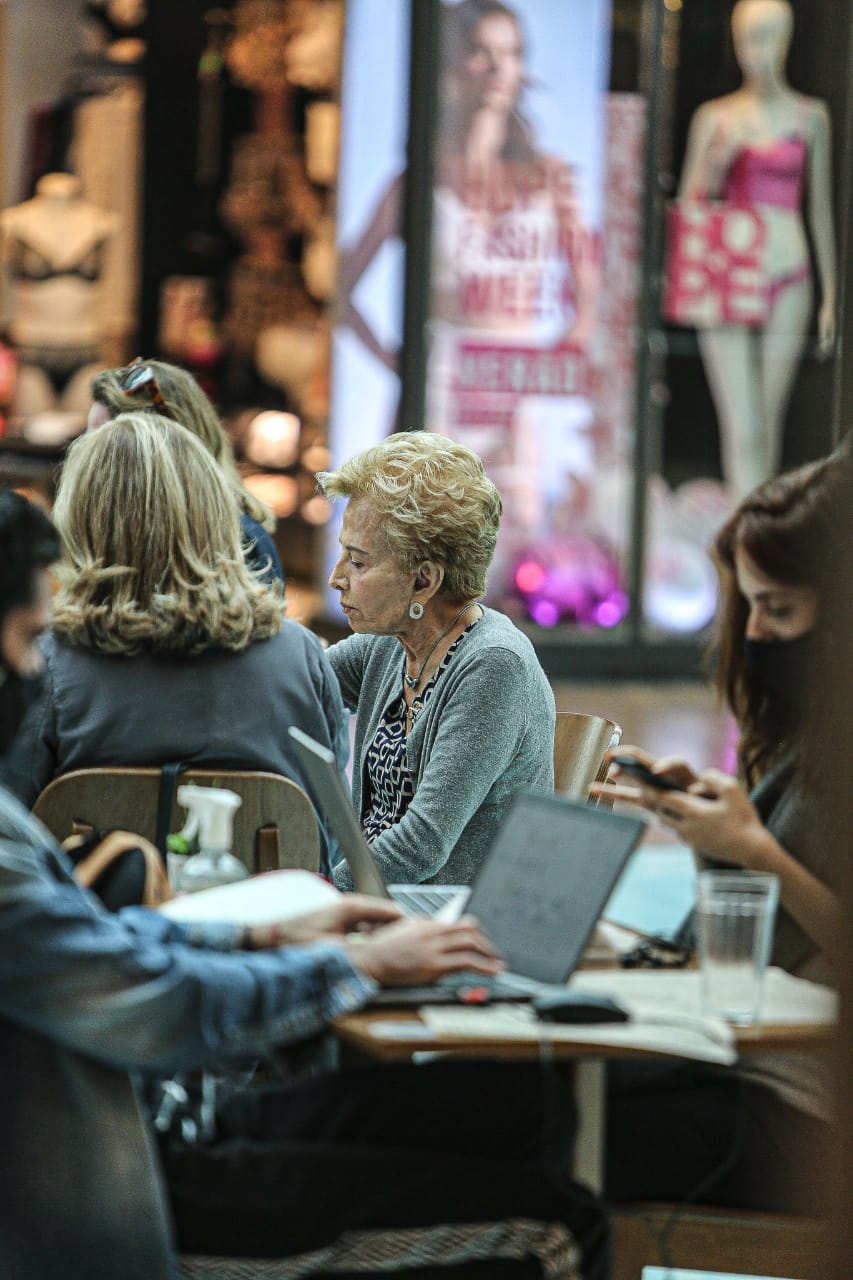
(636, 769)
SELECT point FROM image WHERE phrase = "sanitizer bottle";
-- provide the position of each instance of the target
(214, 864)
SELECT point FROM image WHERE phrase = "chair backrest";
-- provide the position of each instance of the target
(580, 742)
(274, 827)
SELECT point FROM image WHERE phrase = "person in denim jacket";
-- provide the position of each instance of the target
(87, 997)
(91, 1002)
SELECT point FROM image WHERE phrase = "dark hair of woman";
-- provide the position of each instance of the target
(784, 527)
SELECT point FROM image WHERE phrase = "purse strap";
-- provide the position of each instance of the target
(115, 845)
(169, 775)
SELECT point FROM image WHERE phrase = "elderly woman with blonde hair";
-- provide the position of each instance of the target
(165, 645)
(454, 714)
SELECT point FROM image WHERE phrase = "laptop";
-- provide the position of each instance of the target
(540, 890)
(336, 806)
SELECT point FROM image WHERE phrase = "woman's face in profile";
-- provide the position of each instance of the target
(777, 610)
(493, 66)
(375, 592)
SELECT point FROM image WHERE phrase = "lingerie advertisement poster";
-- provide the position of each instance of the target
(519, 355)
(534, 283)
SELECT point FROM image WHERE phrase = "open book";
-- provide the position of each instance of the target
(262, 899)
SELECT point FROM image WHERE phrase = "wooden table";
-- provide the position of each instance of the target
(361, 1036)
(360, 1032)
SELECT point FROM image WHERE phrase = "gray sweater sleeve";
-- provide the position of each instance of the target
(474, 743)
(486, 733)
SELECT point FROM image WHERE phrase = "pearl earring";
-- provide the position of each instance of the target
(416, 610)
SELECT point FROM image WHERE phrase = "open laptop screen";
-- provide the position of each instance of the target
(544, 884)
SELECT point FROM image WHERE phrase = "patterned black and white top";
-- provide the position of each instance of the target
(390, 786)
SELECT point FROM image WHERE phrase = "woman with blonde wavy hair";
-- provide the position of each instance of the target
(454, 714)
(165, 645)
(155, 386)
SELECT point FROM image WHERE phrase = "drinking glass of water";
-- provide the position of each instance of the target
(735, 913)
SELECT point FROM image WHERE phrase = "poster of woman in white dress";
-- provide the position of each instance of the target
(516, 271)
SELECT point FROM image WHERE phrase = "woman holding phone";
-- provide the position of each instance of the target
(742, 1133)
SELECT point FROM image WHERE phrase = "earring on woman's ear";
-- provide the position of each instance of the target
(416, 610)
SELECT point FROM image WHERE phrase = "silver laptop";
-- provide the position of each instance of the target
(336, 806)
(540, 890)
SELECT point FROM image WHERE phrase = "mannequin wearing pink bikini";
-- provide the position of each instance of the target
(768, 146)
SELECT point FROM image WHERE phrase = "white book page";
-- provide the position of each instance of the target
(275, 895)
(785, 1000)
(706, 1039)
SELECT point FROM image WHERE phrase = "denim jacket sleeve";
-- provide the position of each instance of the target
(134, 992)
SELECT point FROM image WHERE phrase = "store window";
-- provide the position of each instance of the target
(606, 426)
(751, 216)
(250, 178)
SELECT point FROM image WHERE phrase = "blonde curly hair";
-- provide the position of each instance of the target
(436, 503)
(153, 560)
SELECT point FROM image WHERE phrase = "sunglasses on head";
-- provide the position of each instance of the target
(139, 377)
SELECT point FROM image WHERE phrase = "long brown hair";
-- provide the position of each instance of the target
(784, 526)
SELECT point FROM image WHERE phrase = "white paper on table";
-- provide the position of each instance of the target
(274, 895)
(785, 1000)
(708, 1039)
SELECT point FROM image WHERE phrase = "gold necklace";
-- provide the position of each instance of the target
(412, 682)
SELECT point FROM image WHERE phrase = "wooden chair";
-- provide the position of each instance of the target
(728, 1240)
(580, 742)
(274, 827)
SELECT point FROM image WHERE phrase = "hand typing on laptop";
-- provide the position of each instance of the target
(344, 916)
(421, 951)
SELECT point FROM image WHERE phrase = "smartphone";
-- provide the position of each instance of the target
(631, 765)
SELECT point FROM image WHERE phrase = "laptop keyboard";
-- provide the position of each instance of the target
(503, 986)
(423, 900)
(466, 988)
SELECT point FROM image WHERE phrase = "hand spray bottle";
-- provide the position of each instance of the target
(214, 864)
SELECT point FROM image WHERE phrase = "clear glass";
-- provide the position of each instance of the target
(735, 914)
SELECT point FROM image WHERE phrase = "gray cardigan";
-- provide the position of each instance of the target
(218, 708)
(486, 733)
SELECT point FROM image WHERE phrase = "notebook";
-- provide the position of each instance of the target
(540, 890)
